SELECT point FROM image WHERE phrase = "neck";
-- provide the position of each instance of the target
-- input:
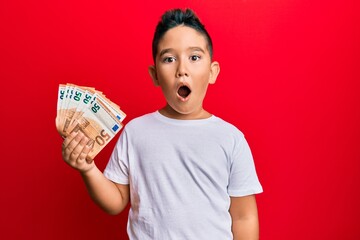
(169, 112)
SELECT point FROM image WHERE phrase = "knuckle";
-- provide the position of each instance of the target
(80, 156)
(66, 152)
(74, 154)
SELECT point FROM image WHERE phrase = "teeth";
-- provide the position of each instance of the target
(184, 91)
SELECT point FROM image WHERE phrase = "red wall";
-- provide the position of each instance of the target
(289, 80)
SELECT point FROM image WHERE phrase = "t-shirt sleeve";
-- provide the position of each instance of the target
(117, 169)
(243, 179)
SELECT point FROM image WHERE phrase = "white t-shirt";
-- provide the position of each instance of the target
(181, 175)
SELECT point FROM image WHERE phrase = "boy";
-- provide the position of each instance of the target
(187, 173)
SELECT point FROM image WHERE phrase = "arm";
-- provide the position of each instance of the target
(111, 197)
(245, 222)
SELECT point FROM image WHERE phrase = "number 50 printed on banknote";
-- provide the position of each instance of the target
(89, 111)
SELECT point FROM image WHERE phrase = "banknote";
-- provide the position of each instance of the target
(88, 110)
(61, 95)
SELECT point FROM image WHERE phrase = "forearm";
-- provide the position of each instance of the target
(246, 228)
(104, 192)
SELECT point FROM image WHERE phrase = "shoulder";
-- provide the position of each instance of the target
(227, 134)
(139, 124)
(138, 121)
(227, 127)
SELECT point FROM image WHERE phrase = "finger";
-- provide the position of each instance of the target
(70, 152)
(69, 144)
(83, 148)
(69, 138)
(90, 147)
(85, 154)
(89, 160)
(78, 148)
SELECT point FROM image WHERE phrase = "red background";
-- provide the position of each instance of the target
(289, 80)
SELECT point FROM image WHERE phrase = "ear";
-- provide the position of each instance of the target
(153, 75)
(214, 72)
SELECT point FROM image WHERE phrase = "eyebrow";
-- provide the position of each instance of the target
(167, 50)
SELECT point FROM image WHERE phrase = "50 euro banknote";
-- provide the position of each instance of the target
(89, 111)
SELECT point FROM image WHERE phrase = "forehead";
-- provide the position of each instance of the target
(182, 37)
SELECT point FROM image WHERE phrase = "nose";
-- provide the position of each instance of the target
(181, 69)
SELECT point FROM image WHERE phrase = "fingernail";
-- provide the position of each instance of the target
(88, 159)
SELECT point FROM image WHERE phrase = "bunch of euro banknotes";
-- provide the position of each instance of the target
(87, 110)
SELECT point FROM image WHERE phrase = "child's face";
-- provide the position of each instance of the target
(183, 70)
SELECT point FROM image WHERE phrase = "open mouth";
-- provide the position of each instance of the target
(184, 91)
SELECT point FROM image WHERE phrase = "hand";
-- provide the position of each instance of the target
(75, 150)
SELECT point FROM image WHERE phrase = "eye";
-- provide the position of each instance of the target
(195, 58)
(169, 59)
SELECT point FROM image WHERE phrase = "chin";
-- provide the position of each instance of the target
(176, 110)
(182, 112)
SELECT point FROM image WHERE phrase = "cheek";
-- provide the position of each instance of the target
(201, 69)
(201, 78)
(164, 74)
(166, 85)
